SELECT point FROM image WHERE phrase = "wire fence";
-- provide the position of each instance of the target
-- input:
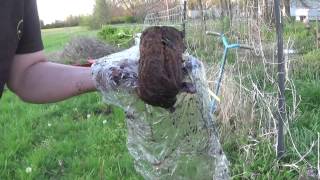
(170, 17)
(250, 89)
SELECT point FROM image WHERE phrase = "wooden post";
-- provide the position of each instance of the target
(281, 80)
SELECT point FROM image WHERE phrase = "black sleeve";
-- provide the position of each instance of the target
(31, 34)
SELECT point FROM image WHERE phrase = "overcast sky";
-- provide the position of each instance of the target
(51, 10)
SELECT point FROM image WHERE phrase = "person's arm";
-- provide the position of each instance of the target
(35, 80)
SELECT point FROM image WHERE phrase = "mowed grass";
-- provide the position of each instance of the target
(80, 138)
(55, 39)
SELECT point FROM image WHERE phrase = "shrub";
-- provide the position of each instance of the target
(122, 19)
(82, 48)
(119, 36)
(70, 21)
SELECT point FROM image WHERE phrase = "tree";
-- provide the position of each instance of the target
(132, 6)
(101, 13)
(139, 8)
(72, 21)
(286, 6)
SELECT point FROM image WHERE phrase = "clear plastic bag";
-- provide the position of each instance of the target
(165, 145)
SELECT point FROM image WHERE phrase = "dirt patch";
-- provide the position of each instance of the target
(160, 66)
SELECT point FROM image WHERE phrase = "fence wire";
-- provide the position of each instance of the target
(250, 89)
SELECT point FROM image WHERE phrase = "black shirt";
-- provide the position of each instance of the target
(19, 33)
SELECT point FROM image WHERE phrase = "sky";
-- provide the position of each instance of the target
(51, 10)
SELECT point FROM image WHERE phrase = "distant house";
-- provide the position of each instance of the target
(306, 10)
(194, 14)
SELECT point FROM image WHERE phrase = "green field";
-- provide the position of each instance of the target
(82, 138)
(55, 39)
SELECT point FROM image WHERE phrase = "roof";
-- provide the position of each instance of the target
(308, 4)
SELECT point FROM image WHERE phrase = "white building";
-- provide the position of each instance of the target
(306, 10)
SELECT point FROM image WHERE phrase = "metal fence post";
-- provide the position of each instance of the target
(281, 80)
(317, 21)
(184, 17)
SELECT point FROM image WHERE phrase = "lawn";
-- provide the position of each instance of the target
(81, 138)
(55, 39)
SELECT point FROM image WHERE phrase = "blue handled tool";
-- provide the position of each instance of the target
(227, 46)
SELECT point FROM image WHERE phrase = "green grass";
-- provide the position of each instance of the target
(55, 39)
(80, 138)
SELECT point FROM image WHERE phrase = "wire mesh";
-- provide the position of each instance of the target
(249, 94)
(250, 90)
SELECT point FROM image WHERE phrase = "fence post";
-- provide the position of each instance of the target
(317, 21)
(281, 80)
(184, 17)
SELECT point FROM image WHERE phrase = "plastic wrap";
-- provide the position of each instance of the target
(165, 145)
